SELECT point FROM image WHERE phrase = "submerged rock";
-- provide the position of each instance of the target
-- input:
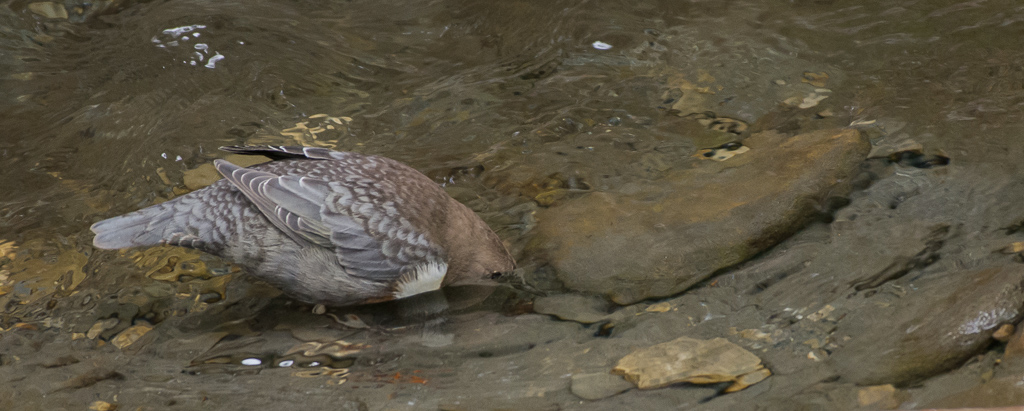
(573, 307)
(48, 9)
(130, 335)
(885, 397)
(663, 236)
(933, 328)
(999, 392)
(694, 361)
(598, 385)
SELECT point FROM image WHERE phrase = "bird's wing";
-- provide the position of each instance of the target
(332, 215)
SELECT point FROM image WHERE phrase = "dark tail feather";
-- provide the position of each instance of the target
(145, 227)
(282, 152)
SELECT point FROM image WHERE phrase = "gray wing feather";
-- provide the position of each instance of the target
(252, 184)
(298, 207)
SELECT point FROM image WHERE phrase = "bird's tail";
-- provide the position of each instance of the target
(145, 227)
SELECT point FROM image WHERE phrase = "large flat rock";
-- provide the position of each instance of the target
(659, 237)
(692, 360)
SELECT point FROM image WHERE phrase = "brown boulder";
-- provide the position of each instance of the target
(935, 327)
(659, 237)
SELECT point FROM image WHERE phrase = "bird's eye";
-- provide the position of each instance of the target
(495, 275)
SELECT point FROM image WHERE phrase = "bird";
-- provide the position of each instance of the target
(325, 227)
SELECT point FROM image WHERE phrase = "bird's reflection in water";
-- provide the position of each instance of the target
(430, 316)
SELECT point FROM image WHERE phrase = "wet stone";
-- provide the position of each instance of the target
(91, 377)
(999, 392)
(935, 327)
(159, 290)
(884, 397)
(48, 9)
(101, 326)
(335, 349)
(898, 144)
(130, 335)
(681, 228)
(102, 406)
(61, 361)
(598, 385)
(573, 307)
(694, 361)
(1015, 344)
(1003, 333)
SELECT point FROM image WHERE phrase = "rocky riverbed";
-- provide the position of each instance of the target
(751, 205)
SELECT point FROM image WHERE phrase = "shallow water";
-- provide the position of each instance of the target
(106, 110)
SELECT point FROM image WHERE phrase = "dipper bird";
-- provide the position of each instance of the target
(326, 227)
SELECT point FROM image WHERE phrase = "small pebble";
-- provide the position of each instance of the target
(1004, 333)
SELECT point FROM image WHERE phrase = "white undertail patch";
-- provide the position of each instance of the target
(424, 278)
